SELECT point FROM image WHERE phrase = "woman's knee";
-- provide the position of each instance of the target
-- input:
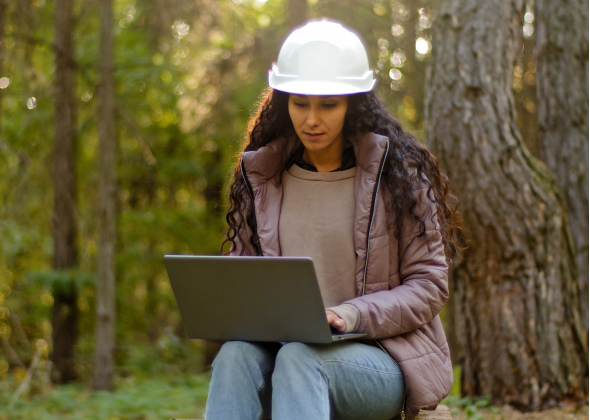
(297, 356)
(239, 354)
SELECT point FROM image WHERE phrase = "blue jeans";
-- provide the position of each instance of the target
(346, 380)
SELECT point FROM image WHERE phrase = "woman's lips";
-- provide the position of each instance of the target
(314, 136)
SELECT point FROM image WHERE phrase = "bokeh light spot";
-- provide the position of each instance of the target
(397, 30)
(398, 58)
(4, 82)
(530, 106)
(395, 74)
(264, 20)
(128, 18)
(380, 10)
(180, 29)
(411, 113)
(422, 46)
(32, 102)
(83, 305)
(46, 299)
(397, 85)
(41, 344)
(425, 23)
(166, 77)
(409, 101)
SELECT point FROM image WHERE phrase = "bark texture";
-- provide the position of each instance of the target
(105, 291)
(561, 49)
(297, 13)
(65, 310)
(517, 300)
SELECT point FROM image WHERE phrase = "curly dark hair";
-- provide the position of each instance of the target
(406, 159)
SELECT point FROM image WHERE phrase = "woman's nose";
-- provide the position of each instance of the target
(312, 116)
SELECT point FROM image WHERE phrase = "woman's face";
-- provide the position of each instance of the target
(318, 120)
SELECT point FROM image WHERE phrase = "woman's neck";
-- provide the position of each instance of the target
(327, 159)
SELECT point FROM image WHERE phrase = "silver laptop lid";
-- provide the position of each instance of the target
(249, 298)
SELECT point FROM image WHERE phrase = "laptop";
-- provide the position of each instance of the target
(250, 299)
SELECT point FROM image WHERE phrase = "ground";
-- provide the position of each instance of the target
(153, 390)
(567, 412)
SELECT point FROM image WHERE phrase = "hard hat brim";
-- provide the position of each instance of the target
(302, 87)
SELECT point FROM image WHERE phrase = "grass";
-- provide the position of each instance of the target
(470, 407)
(152, 382)
(134, 399)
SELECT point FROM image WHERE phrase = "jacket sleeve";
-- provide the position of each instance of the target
(423, 288)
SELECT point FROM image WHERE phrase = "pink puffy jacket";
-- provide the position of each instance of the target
(401, 286)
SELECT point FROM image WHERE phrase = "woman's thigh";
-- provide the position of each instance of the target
(240, 385)
(362, 381)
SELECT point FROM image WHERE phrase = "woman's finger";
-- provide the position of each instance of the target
(335, 321)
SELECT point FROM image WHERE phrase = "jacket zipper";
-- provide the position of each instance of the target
(249, 188)
(372, 213)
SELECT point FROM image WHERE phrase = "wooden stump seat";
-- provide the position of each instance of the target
(442, 412)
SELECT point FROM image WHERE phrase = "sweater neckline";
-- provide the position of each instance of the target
(298, 172)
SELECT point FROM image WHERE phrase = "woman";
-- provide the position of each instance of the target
(326, 172)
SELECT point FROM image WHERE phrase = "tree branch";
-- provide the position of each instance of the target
(11, 353)
(25, 384)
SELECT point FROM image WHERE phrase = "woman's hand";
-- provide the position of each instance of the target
(335, 321)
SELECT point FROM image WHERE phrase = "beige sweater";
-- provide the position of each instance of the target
(317, 216)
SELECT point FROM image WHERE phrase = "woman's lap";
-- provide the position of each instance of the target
(345, 380)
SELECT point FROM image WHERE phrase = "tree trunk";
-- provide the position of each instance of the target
(65, 310)
(3, 14)
(561, 51)
(297, 13)
(105, 291)
(517, 300)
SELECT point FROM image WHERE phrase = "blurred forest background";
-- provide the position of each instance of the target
(186, 75)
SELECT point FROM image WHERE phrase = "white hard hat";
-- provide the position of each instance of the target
(322, 58)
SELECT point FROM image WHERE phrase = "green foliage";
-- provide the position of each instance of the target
(153, 382)
(57, 280)
(152, 398)
(470, 405)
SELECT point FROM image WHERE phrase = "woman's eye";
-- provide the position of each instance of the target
(299, 104)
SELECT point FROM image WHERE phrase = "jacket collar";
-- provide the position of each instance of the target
(369, 149)
(266, 163)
